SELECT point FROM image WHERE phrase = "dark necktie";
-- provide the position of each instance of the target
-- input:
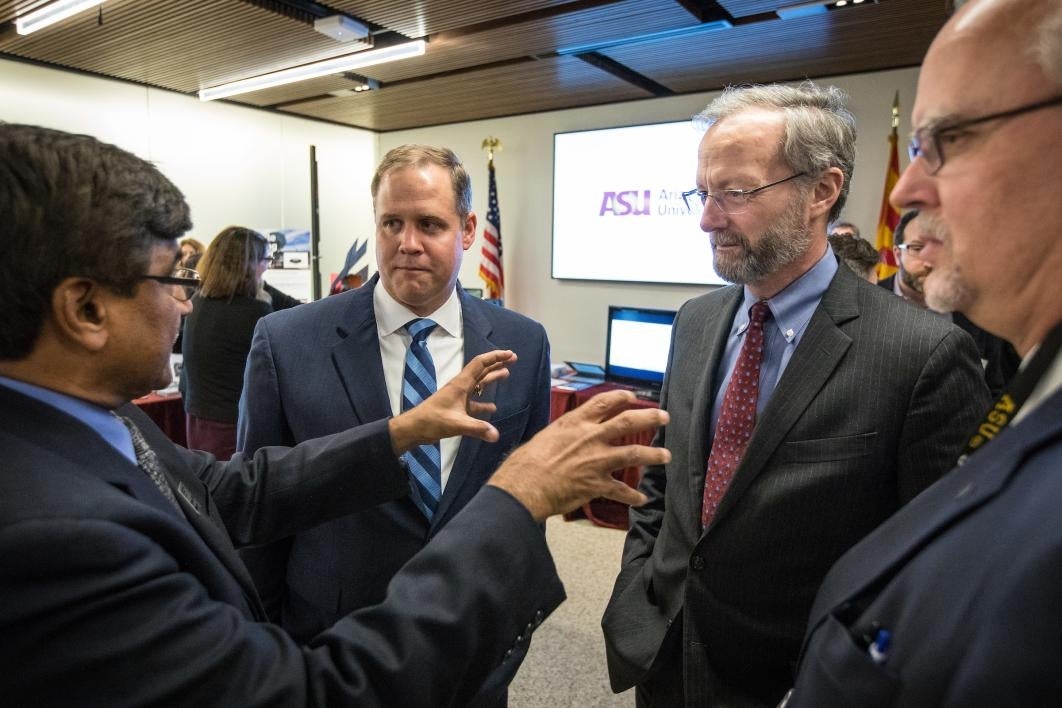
(737, 416)
(418, 382)
(148, 461)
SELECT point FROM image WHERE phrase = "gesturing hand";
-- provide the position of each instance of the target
(453, 409)
(571, 461)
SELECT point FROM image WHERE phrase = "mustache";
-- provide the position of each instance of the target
(728, 238)
(933, 227)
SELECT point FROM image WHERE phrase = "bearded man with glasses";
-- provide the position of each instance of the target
(806, 406)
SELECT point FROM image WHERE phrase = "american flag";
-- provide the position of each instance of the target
(490, 268)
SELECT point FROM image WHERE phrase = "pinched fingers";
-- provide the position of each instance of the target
(484, 368)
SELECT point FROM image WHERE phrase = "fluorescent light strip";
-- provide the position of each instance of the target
(690, 31)
(50, 14)
(327, 67)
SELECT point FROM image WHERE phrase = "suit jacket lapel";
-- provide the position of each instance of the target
(935, 510)
(198, 507)
(714, 334)
(477, 330)
(821, 349)
(357, 357)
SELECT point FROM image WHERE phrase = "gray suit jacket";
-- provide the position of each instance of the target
(315, 369)
(874, 406)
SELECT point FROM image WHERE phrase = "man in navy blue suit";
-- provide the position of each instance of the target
(954, 601)
(340, 362)
(120, 581)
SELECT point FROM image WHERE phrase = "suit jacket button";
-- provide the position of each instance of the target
(698, 563)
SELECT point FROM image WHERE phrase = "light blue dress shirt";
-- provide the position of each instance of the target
(101, 420)
(791, 310)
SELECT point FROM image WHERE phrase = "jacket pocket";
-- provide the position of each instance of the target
(826, 449)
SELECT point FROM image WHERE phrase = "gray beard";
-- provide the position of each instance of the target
(780, 245)
(946, 292)
(945, 289)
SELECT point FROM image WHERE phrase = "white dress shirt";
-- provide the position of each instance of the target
(446, 344)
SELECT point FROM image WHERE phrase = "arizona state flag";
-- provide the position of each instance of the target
(490, 268)
(889, 217)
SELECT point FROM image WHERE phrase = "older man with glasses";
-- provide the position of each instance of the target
(806, 406)
(955, 600)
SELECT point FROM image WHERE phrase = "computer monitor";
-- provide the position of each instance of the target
(638, 343)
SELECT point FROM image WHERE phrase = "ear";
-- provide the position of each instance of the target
(468, 233)
(826, 191)
(79, 311)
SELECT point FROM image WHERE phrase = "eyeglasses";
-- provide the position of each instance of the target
(927, 144)
(730, 201)
(183, 282)
(914, 248)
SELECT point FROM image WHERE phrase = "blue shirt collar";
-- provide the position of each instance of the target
(101, 420)
(792, 308)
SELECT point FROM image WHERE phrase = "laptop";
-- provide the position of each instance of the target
(589, 374)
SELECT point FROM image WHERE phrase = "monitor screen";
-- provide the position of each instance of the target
(639, 340)
(618, 212)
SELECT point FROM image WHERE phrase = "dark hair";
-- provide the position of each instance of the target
(855, 252)
(844, 225)
(230, 265)
(907, 218)
(72, 206)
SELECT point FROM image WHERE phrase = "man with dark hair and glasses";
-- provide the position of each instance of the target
(806, 406)
(117, 546)
(998, 358)
(954, 601)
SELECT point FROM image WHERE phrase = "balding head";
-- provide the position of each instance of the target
(990, 210)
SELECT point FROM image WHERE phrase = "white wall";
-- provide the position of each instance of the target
(242, 166)
(574, 312)
(235, 165)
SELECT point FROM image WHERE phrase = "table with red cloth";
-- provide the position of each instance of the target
(168, 413)
(603, 512)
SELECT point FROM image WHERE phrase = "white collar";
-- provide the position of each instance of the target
(392, 316)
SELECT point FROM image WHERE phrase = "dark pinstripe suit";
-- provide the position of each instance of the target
(874, 406)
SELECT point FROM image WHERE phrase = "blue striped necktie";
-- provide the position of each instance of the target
(418, 382)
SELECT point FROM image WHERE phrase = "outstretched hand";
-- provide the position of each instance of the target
(571, 461)
(455, 409)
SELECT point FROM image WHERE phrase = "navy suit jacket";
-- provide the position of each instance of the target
(111, 598)
(968, 580)
(316, 369)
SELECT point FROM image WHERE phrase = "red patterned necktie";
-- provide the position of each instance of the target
(737, 416)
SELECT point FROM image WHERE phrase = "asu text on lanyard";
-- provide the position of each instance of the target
(1000, 415)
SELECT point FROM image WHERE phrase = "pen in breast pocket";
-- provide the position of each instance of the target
(879, 648)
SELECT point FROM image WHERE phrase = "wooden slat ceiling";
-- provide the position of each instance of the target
(484, 59)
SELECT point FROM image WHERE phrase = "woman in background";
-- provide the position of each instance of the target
(217, 337)
(190, 247)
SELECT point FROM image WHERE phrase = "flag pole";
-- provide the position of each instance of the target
(490, 144)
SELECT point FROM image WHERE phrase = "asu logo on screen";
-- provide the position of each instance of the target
(625, 203)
